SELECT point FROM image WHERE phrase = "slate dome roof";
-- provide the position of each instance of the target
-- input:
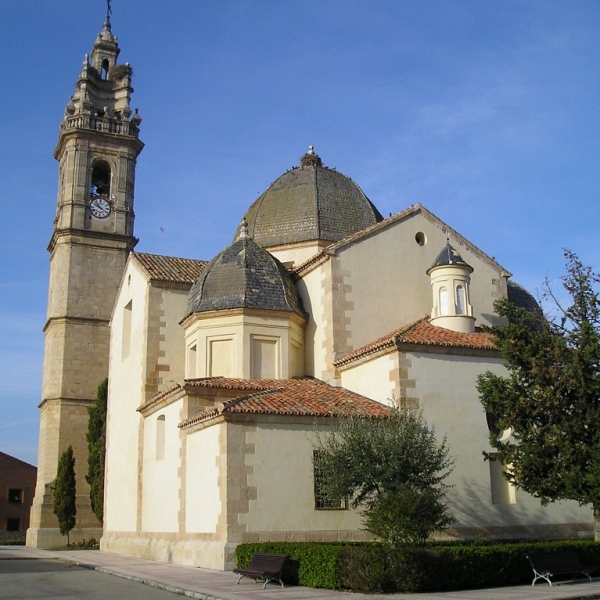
(244, 275)
(447, 257)
(309, 202)
(520, 297)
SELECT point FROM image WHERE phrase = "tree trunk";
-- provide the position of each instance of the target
(596, 523)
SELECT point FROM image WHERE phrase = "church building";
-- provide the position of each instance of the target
(223, 372)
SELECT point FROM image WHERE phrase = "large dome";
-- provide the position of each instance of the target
(244, 276)
(310, 202)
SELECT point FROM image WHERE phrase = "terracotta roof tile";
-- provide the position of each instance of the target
(291, 397)
(422, 332)
(169, 268)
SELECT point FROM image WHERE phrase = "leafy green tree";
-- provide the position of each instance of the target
(408, 515)
(96, 441)
(65, 492)
(550, 398)
(387, 466)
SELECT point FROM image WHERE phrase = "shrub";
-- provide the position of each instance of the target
(376, 568)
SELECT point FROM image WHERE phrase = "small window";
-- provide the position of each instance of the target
(192, 362)
(13, 524)
(503, 492)
(126, 338)
(443, 301)
(100, 179)
(160, 437)
(15, 496)
(323, 502)
(460, 300)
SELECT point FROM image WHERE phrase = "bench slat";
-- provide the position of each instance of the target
(266, 566)
(558, 563)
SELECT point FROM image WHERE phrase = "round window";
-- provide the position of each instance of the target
(420, 238)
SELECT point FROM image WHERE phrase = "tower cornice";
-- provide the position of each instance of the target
(93, 129)
(90, 237)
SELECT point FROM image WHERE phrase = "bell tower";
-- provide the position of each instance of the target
(97, 149)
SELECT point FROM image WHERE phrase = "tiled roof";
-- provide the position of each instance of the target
(244, 275)
(447, 257)
(289, 397)
(422, 332)
(169, 268)
(310, 202)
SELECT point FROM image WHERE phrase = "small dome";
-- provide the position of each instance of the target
(310, 202)
(521, 298)
(448, 257)
(244, 276)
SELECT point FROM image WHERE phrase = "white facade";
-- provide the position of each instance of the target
(189, 475)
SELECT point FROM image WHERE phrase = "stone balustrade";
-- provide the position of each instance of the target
(106, 124)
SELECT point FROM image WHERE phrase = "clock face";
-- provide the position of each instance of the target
(100, 207)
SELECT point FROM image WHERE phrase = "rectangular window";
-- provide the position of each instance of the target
(126, 345)
(160, 437)
(13, 524)
(192, 363)
(322, 501)
(502, 491)
(15, 495)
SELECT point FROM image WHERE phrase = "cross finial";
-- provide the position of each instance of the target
(108, 9)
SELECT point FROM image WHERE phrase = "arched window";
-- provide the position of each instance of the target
(105, 67)
(443, 301)
(126, 337)
(100, 179)
(160, 437)
(460, 300)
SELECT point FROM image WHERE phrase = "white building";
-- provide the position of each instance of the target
(221, 373)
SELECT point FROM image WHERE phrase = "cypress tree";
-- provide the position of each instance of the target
(96, 441)
(64, 492)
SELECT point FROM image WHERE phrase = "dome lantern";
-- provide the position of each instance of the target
(450, 279)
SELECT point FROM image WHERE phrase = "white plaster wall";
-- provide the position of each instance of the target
(202, 500)
(373, 379)
(389, 286)
(446, 388)
(161, 478)
(285, 486)
(310, 288)
(174, 304)
(298, 253)
(126, 377)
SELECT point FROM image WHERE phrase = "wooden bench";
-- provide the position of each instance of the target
(264, 566)
(558, 563)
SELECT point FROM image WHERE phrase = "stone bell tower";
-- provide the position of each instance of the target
(97, 149)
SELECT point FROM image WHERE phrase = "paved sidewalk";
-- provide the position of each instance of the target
(218, 585)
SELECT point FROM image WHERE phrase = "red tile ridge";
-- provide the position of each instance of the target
(295, 397)
(422, 332)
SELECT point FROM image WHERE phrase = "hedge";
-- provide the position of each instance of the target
(372, 567)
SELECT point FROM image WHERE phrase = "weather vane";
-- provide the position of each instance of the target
(108, 8)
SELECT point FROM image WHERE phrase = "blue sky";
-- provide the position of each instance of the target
(486, 112)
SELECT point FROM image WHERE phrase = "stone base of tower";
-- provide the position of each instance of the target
(52, 538)
(44, 532)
